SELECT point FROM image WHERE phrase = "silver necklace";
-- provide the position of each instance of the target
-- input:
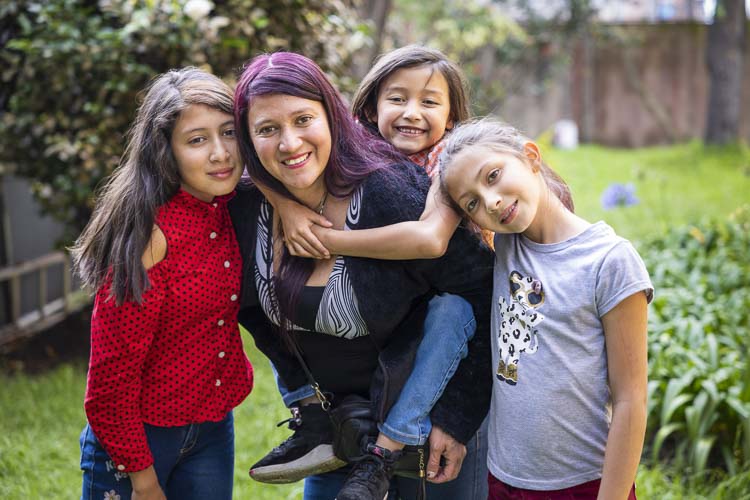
(322, 204)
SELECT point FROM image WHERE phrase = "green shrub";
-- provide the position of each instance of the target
(699, 389)
(72, 69)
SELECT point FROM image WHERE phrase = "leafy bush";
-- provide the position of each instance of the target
(71, 71)
(699, 389)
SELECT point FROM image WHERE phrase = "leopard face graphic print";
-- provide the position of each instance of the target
(518, 324)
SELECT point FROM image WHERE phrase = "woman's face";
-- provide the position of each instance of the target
(204, 145)
(293, 141)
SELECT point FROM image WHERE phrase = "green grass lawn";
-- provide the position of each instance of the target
(41, 416)
(676, 185)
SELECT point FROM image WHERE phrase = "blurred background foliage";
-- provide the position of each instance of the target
(699, 388)
(72, 69)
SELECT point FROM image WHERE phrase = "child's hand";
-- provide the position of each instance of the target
(298, 221)
(146, 485)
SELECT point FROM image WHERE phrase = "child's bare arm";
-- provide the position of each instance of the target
(625, 334)
(297, 221)
(426, 238)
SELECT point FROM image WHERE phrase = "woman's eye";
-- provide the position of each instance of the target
(196, 140)
(493, 175)
(396, 99)
(265, 130)
(471, 205)
(430, 102)
(229, 132)
(304, 119)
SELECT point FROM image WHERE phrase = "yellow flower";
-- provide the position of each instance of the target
(698, 235)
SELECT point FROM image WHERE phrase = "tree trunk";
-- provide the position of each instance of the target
(377, 12)
(724, 56)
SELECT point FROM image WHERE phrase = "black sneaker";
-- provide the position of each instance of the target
(371, 476)
(306, 452)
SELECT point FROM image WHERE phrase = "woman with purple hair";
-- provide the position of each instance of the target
(357, 322)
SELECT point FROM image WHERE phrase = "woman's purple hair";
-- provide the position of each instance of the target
(355, 153)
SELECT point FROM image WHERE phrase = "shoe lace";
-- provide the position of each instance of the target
(294, 421)
(365, 468)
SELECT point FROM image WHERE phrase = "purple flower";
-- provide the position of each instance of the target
(619, 195)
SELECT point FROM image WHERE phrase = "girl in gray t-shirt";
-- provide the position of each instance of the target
(569, 315)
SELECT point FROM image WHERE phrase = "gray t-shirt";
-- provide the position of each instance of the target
(551, 404)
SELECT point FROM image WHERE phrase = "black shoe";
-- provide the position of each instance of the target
(308, 451)
(371, 476)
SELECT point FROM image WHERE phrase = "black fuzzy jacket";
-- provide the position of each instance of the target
(396, 296)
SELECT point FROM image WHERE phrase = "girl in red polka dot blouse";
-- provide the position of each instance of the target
(167, 365)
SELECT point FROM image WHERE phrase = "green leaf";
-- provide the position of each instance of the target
(672, 398)
(661, 436)
(700, 453)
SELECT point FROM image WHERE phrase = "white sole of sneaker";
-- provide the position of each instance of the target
(384, 498)
(319, 460)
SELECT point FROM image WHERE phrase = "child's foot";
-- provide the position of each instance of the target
(371, 476)
(306, 452)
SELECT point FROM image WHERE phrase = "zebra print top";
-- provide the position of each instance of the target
(338, 313)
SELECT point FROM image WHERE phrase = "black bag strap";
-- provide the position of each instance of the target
(324, 402)
(326, 405)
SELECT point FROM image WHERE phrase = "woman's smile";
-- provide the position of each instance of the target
(297, 161)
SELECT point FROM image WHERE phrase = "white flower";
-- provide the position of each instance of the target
(111, 495)
(197, 9)
(45, 191)
(219, 22)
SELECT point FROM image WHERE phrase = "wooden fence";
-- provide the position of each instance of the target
(46, 312)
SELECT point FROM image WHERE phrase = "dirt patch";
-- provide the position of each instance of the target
(66, 342)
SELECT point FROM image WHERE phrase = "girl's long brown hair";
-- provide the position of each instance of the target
(114, 240)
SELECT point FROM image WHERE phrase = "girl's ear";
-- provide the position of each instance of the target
(449, 125)
(531, 151)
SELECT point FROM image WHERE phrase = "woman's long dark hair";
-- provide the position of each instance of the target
(120, 228)
(355, 153)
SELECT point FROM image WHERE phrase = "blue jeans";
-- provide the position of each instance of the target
(449, 325)
(192, 462)
(471, 483)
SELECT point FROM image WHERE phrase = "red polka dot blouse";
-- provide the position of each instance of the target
(176, 358)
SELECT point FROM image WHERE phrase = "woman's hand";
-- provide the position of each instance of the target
(442, 444)
(298, 221)
(146, 485)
